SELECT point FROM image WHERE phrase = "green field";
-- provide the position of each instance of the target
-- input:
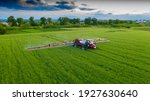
(125, 59)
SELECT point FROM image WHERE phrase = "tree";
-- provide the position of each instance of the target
(31, 21)
(20, 21)
(64, 20)
(43, 21)
(94, 21)
(88, 21)
(75, 21)
(117, 21)
(25, 25)
(11, 21)
(111, 22)
(131, 22)
(49, 20)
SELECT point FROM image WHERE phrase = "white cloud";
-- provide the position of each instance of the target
(37, 14)
(99, 8)
(122, 7)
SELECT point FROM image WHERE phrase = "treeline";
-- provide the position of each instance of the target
(63, 22)
(41, 22)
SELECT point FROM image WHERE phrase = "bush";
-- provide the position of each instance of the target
(3, 30)
(2, 25)
(25, 26)
(48, 26)
(76, 25)
(12, 28)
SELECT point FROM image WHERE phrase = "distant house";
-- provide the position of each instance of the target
(141, 21)
(5, 23)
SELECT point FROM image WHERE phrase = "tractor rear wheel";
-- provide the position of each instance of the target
(82, 47)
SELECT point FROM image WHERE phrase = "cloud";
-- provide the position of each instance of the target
(87, 9)
(9, 4)
(84, 4)
(49, 5)
(74, 8)
(65, 13)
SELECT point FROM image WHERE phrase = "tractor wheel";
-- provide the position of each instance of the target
(77, 46)
(74, 45)
(85, 47)
(82, 47)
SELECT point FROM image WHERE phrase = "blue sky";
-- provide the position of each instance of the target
(74, 8)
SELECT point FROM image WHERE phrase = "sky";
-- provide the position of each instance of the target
(74, 8)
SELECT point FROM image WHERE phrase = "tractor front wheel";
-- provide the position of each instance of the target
(82, 47)
(74, 45)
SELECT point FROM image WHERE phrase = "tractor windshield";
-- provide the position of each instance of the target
(82, 41)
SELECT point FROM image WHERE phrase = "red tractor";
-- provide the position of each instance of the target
(84, 43)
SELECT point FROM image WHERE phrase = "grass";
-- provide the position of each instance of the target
(125, 59)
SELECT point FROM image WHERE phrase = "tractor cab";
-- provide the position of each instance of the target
(84, 43)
